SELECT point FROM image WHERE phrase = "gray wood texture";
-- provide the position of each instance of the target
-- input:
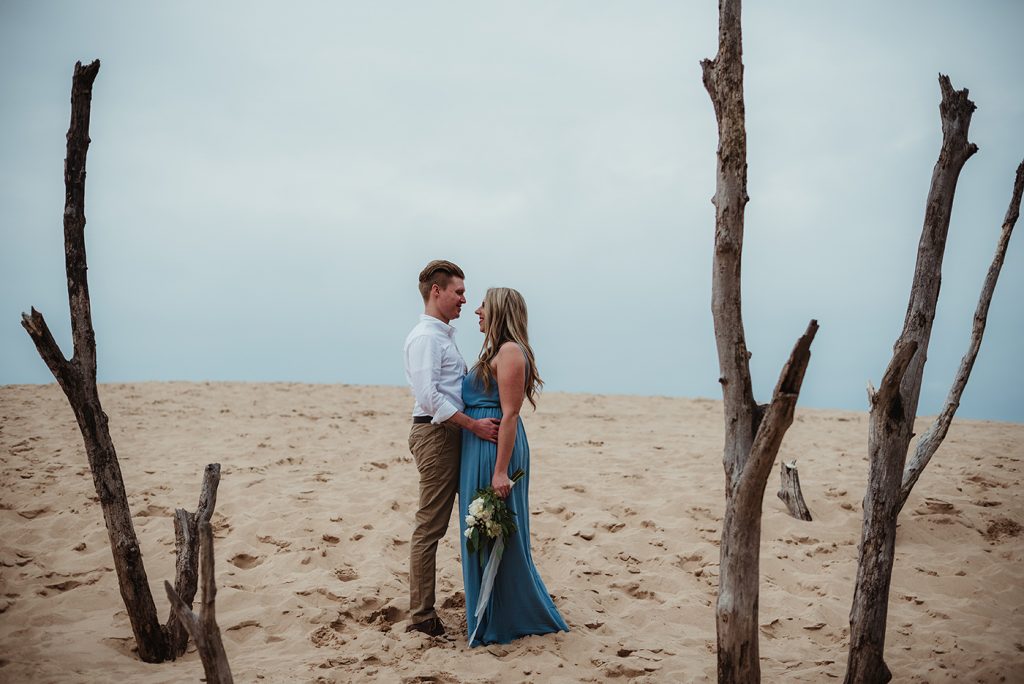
(203, 628)
(753, 433)
(894, 406)
(929, 442)
(790, 492)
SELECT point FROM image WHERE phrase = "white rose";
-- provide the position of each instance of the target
(469, 532)
(476, 507)
(470, 521)
(485, 514)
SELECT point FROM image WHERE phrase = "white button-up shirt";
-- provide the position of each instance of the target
(434, 368)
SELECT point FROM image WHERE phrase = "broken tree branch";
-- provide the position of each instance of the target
(186, 538)
(203, 628)
(779, 415)
(790, 492)
(932, 438)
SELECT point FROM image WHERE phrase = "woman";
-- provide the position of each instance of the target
(496, 386)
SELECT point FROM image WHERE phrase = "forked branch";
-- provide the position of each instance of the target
(932, 438)
(203, 628)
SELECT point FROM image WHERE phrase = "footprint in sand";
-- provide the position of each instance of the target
(68, 585)
(33, 513)
(936, 506)
(245, 561)
(692, 563)
(329, 635)
(634, 590)
(23, 446)
(589, 443)
(276, 542)
(1002, 527)
(346, 574)
(986, 483)
(440, 678)
(244, 630)
(371, 611)
(152, 511)
(559, 511)
(801, 540)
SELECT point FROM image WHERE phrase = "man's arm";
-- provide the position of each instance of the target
(484, 428)
(423, 361)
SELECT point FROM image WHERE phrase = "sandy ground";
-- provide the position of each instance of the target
(315, 511)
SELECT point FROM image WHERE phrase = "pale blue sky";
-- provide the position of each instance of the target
(265, 182)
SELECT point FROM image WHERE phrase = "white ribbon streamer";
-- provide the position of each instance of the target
(487, 583)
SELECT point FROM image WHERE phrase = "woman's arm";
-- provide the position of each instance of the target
(510, 370)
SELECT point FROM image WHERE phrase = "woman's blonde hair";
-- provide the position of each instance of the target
(506, 322)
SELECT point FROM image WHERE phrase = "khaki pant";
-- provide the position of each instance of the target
(436, 449)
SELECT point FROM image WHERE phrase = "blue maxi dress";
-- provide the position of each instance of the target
(520, 604)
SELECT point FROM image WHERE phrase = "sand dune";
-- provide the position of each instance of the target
(314, 516)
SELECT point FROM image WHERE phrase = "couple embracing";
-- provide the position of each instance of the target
(466, 436)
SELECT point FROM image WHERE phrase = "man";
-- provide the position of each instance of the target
(435, 368)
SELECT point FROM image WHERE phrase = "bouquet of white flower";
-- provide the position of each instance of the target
(488, 518)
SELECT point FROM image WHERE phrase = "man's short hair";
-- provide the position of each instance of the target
(438, 272)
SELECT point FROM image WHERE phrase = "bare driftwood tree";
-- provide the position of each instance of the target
(790, 492)
(753, 433)
(894, 405)
(77, 377)
(203, 629)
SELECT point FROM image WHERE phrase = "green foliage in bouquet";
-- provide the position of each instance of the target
(489, 516)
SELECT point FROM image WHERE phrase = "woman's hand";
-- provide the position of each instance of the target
(501, 484)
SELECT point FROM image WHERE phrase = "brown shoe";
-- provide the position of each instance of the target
(431, 627)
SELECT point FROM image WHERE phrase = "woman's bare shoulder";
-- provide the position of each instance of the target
(511, 353)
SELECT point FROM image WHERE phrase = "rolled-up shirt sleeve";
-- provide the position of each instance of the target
(423, 359)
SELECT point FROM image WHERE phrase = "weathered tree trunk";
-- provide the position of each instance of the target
(790, 492)
(929, 442)
(186, 535)
(753, 433)
(77, 378)
(203, 629)
(894, 406)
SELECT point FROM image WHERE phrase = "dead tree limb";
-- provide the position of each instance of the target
(790, 492)
(203, 629)
(186, 575)
(894, 406)
(77, 377)
(932, 438)
(753, 433)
